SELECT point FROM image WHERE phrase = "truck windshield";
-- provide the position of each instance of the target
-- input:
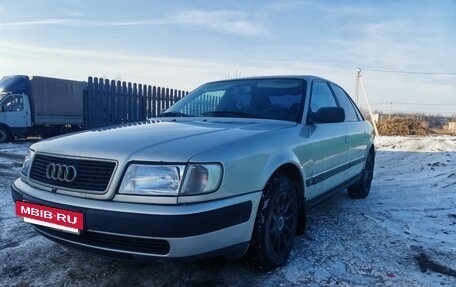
(267, 98)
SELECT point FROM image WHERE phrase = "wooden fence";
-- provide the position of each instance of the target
(114, 102)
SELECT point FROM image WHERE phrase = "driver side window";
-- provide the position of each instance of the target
(13, 104)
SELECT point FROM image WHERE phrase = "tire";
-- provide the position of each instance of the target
(49, 132)
(276, 223)
(4, 134)
(362, 187)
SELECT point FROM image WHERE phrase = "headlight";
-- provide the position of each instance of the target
(27, 163)
(201, 178)
(152, 179)
(167, 180)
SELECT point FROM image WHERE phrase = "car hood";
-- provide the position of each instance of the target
(159, 141)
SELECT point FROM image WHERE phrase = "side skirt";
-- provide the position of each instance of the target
(313, 202)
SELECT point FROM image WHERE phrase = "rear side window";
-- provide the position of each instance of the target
(321, 97)
(345, 103)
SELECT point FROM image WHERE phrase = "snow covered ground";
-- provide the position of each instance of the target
(403, 234)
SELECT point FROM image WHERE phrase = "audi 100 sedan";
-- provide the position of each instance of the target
(230, 167)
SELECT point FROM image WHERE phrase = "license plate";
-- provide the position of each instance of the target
(70, 221)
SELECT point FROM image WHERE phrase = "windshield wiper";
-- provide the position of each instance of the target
(229, 114)
(174, 114)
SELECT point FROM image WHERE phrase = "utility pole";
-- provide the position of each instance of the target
(359, 82)
(358, 77)
(391, 110)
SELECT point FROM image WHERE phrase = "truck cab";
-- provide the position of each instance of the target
(15, 113)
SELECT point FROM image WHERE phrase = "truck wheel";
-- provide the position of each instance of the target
(4, 134)
(362, 187)
(276, 222)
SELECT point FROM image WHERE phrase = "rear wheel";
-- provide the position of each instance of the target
(362, 187)
(4, 134)
(276, 222)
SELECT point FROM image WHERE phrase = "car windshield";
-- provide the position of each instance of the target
(279, 99)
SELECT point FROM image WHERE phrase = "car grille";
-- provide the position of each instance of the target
(120, 243)
(92, 175)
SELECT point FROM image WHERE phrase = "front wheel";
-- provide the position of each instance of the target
(276, 222)
(4, 134)
(362, 187)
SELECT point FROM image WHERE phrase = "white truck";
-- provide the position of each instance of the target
(40, 106)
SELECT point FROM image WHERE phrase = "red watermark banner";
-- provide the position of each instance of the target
(55, 216)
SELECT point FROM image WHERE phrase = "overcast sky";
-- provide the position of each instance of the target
(182, 44)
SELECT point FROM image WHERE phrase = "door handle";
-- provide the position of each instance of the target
(346, 139)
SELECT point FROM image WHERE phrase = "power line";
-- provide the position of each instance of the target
(409, 72)
(414, 104)
(446, 113)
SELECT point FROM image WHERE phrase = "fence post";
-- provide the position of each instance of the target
(106, 103)
(140, 102)
(112, 98)
(94, 106)
(167, 98)
(118, 103)
(154, 101)
(123, 102)
(160, 93)
(149, 102)
(134, 97)
(86, 95)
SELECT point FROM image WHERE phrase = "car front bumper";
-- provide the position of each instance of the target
(150, 232)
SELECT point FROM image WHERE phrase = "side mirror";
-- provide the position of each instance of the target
(329, 115)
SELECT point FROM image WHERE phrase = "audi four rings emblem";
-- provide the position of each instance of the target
(61, 172)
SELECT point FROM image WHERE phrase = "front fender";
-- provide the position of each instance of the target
(249, 163)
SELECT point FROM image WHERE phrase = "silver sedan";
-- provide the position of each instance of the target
(230, 167)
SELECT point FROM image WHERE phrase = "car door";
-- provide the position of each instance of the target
(358, 138)
(329, 142)
(13, 113)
